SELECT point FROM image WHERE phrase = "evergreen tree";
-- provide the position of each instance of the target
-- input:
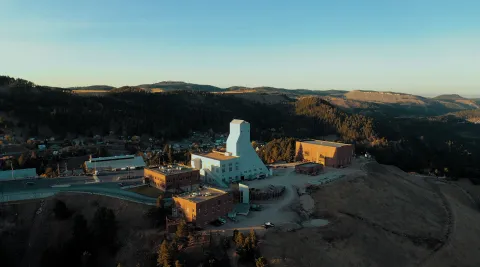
(165, 255)
(253, 238)
(182, 230)
(240, 239)
(235, 233)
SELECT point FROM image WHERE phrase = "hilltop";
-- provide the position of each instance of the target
(368, 102)
(449, 97)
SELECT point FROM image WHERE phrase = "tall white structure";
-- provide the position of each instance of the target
(240, 162)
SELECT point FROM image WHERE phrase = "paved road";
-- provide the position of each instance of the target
(44, 187)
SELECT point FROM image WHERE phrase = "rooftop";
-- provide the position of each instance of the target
(238, 121)
(172, 169)
(217, 155)
(202, 194)
(112, 158)
(18, 174)
(116, 162)
(325, 143)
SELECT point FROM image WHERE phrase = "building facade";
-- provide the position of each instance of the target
(173, 178)
(203, 206)
(239, 162)
(330, 154)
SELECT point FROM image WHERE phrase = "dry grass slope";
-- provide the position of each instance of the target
(385, 218)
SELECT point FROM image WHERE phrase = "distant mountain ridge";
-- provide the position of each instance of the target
(363, 101)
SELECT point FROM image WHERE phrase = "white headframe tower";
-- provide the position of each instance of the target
(238, 142)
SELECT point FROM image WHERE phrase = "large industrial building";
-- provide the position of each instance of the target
(173, 178)
(239, 162)
(203, 206)
(327, 153)
(115, 163)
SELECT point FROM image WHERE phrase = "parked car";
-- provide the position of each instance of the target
(268, 225)
(255, 207)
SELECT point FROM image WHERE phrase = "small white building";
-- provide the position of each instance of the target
(239, 162)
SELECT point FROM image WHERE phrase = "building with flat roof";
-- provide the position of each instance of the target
(239, 162)
(173, 178)
(327, 153)
(115, 163)
(18, 174)
(203, 205)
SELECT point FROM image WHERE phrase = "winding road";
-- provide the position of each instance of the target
(39, 188)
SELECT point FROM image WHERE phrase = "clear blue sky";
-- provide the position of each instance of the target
(416, 46)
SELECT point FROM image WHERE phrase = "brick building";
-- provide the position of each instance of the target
(173, 178)
(203, 206)
(323, 152)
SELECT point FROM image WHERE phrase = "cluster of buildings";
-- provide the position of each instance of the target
(239, 161)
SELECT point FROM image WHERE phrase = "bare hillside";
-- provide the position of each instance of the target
(383, 218)
(386, 97)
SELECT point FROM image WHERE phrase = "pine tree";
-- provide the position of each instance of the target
(260, 262)
(253, 238)
(240, 239)
(182, 230)
(164, 254)
(235, 233)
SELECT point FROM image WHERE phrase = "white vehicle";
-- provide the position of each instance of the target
(268, 225)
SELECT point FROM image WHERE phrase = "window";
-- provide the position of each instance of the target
(230, 164)
(236, 168)
(230, 169)
(219, 202)
(223, 170)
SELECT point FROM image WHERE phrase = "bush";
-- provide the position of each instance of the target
(60, 210)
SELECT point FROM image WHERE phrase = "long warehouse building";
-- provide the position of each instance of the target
(115, 163)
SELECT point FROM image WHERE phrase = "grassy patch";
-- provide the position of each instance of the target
(147, 191)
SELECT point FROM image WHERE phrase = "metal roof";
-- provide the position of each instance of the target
(324, 143)
(116, 162)
(18, 174)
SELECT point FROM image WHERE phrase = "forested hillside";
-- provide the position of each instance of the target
(415, 144)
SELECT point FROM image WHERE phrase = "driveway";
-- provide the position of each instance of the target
(278, 210)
